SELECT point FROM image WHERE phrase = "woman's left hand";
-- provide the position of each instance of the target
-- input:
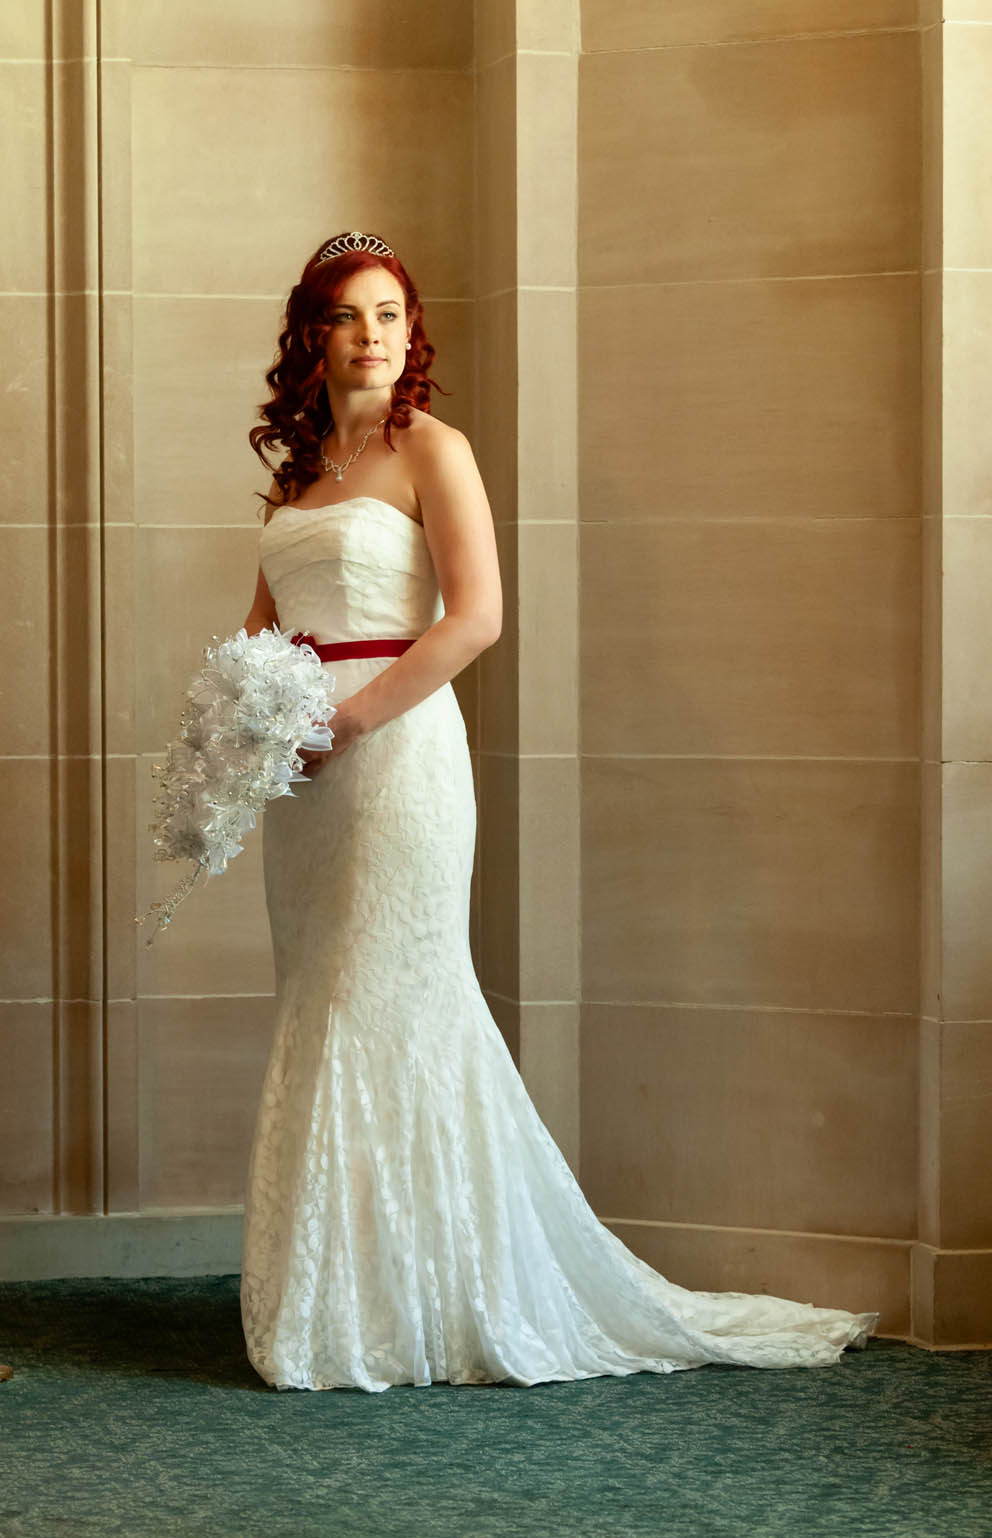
(346, 728)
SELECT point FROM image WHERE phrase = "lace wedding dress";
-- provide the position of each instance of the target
(408, 1216)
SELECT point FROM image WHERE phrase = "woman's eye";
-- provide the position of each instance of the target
(347, 315)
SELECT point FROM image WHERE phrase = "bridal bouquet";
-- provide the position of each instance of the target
(248, 711)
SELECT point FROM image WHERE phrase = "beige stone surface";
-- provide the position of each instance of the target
(202, 1062)
(450, 326)
(931, 637)
(770, 638)
(967, 638)
(967, 392)
(966, 1135)
(118, 408)
(499, 853)
(25, 895)
(199, 377)
(48, 376)
(549, 1066)
(759, 1119)
(783, 159)
(76, 600)
(192, 584)
(549, 878)
(788, 883)
(116, 214)
(23, 173)
(123, 1123)
(932, 146)
(921, 1291)
(26, 682)
(24, 383)
(750, 400)
(931, 917)
(196, 230)
(962, 1289)
(496, 193)
(548, 683)
(967, 126)
(547, 392)
(77, 870)
(125, 831)
(928, 1196)
(22, 30)
(548, 24)
(72, 442)
(499, 679)
(123, 636)
(646, 24)
(71, 103)
(967, 891)
(827, 1270)
(389, 35)
(495, 30)
(547, 111)
(79, 1130)
(495, 440)
(26, 1129)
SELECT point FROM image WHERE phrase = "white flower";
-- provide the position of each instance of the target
(254, 701)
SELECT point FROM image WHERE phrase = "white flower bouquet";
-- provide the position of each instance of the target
(248, 711)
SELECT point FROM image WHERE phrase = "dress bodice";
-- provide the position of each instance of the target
(356, 570)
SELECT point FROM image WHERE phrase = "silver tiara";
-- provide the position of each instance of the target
(356, 241)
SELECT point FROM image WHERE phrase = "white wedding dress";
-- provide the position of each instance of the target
(408, 1216)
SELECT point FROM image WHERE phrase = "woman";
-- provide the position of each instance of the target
(408, 1216)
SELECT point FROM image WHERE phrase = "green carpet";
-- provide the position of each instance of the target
(134, 1411)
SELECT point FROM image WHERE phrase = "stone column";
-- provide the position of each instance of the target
(952, 1263)
(527, 74)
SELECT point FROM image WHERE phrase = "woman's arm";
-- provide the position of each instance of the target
(458, 524)
(262, 615)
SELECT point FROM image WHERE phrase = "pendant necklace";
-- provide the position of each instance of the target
(329, 464)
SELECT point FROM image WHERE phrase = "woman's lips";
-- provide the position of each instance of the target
(367, 362)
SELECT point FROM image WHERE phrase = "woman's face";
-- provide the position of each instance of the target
(367, 321)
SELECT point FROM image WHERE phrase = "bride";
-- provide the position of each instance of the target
(408, 1216)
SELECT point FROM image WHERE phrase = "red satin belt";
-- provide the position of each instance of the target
(335, 651)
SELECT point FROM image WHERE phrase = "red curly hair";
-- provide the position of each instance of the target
(298, 415)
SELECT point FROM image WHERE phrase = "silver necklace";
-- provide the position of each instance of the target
(339, 470)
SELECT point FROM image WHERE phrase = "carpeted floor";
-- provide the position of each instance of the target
(134, 1411)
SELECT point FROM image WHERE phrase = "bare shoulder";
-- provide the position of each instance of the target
(446, 478)
(458, 525)
(427, 433)
(435, 448)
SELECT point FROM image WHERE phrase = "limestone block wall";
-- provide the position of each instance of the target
(749, 268)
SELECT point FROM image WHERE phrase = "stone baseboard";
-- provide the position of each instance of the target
(38, 1247)
(952, 1297)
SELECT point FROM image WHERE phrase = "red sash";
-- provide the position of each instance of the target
(335, 651)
